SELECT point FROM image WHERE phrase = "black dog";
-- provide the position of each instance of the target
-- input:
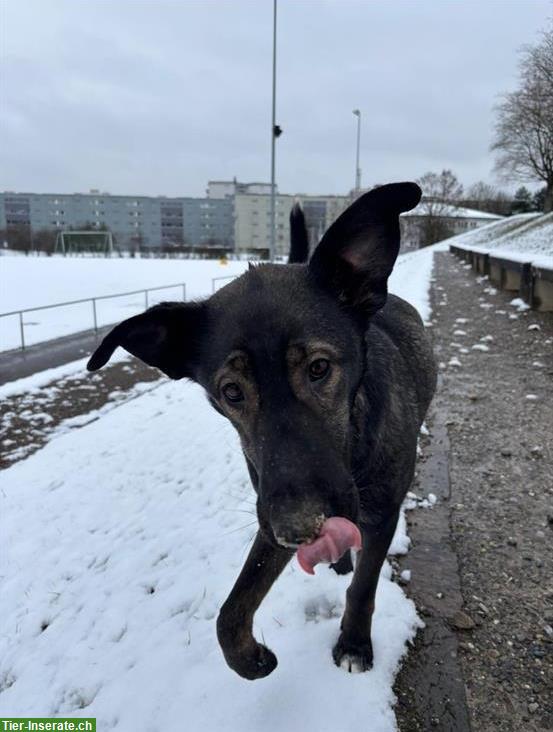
(327, 381)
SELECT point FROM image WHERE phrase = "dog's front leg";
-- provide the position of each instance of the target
(353, 651)
(242, 652)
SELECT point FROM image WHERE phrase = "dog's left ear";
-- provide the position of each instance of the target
(166, 336)
(356, 255)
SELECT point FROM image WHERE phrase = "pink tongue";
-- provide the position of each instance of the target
(337, 535)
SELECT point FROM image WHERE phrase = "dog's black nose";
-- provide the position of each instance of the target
(293, 529)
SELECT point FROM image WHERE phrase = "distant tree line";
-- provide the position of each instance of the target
(442, 192)
(20, 237)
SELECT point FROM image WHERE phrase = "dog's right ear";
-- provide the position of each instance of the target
(356, 255)
(166, 336)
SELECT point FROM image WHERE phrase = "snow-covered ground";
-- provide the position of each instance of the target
(527, 236)
(28, 282)
(120, 541)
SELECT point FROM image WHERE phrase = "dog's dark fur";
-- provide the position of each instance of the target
(327, 380)
(299, 242)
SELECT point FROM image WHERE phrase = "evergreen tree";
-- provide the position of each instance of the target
(538, 199)
(522, 202)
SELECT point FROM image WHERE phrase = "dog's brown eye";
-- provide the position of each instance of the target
(318, 369)
(233, 392)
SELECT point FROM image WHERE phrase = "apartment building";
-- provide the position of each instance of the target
(135, 221)
(252, 219)
(233, 215)
(217, 189)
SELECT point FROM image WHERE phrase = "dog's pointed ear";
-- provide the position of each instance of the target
(356, 255)
(166, 336)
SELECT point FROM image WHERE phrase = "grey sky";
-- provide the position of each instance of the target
(158, 97)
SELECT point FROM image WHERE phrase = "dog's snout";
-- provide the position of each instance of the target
(294, 527)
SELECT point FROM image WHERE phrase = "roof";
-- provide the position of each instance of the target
(453, 212)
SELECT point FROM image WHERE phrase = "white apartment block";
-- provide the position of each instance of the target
(252, 230)
(252, 219)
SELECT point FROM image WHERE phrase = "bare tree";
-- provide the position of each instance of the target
(485, 197)
(19, 237)
(44, 240)
(523, 137)
(440, 191)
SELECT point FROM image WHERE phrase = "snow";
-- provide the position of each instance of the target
(36, 382)
(29, 282)
(519, 304)
(123, 549)
(452, 212)
(522, 238)
(411, 277)
(36, 281)
(122, 537)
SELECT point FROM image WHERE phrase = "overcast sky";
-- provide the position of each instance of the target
(156, 97)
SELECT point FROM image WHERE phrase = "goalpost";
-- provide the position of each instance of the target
(75, 242)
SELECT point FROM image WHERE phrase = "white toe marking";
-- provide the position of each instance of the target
(351, 664)
(356, 667)
(345, 663)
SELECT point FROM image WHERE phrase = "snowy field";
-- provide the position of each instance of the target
(121, 540)
(34, 281)
(29, 282)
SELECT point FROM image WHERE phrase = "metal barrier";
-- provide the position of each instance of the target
(92, 300)
(532, 282)
(214, 287)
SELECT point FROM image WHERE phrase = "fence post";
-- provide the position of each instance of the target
(146, 298)
(22, 331)
(94, 314)
(184, 291)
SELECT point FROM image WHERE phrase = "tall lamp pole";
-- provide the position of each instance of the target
(357, 113)
(274, 135)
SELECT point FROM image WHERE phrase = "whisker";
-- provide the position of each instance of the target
(247, 543)
(232, 531)
(247, 497)
(240, 510)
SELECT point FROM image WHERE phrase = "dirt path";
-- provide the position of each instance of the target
(495, 400)
(30, 419)
(18, 363)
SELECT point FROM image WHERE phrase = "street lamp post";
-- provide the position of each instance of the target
(357, 113)
(272, 242)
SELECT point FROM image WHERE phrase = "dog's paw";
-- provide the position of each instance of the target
(256, 663)
(355, 658)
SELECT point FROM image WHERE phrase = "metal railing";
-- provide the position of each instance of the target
(214, 280)
(92, 300)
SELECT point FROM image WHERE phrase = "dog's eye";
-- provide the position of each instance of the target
(233, 393)
(318, 369)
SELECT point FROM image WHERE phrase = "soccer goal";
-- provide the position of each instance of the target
(77, 242)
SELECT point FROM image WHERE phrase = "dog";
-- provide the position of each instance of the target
(327, 380)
